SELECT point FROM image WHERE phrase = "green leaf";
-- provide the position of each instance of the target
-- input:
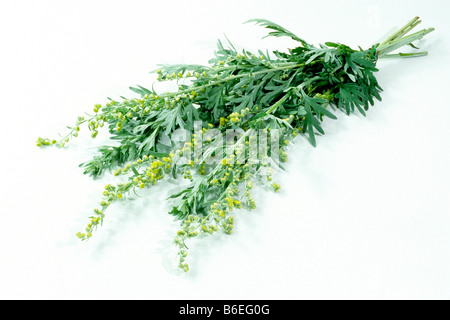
(149, 142)
(176, 195)
(141, 90)
(312, 138)
(362, 58)
(134, 170)
(301, 111)
(324, 111)
(279, 31)
(332, 44)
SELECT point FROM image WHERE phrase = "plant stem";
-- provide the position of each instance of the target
(277, 104)
(232, 77)
(401, 31)
(405, 55)
(399, 39)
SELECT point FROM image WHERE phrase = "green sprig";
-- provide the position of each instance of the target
(251, 94)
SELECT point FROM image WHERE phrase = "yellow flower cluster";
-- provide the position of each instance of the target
(162, 76)
(137, 164)
(95, 221)
(44, 142)
(94, 123)
(155, 171)
(238, 116)
(249, 199)
(325, 95)
(189, 230)
(283, 156)
(121, 119)
(276, 187)
(231, 197)
(73, 133)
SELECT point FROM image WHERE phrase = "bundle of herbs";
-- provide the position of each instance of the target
(228, 125)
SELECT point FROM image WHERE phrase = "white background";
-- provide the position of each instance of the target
(365, 215)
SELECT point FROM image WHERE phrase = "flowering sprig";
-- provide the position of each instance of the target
(241, 113)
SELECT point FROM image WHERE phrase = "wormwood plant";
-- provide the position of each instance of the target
(229, 124)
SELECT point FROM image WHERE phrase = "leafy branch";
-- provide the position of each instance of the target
(240, 112)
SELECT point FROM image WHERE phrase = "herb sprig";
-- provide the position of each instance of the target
(238, 115)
